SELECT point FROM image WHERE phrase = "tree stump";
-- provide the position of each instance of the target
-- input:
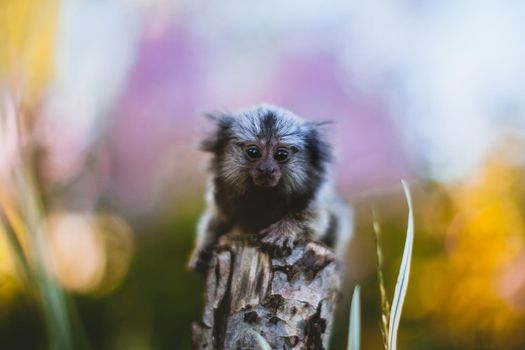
(253, 298)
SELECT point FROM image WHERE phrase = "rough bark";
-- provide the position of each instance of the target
(289, 301)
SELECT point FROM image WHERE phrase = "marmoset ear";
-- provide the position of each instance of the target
(219, 138)
(318, 149)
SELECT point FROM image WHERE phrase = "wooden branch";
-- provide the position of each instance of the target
(288, 301)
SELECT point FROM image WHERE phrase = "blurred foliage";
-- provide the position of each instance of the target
(467, 286)
(159, 299)
(9, 281)
(483, 239)
(468, 235)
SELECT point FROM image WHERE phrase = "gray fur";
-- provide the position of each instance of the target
(301, 202)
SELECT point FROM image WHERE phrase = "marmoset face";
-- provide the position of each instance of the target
(268, 160)
(267, 147)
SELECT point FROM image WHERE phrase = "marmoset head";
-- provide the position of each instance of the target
(267, 147)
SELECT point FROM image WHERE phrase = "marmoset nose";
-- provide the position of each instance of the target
(268, 169)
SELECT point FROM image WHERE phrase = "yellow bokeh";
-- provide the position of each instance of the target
(90, 254)
(9, 282)
(461, 287)
(27, 36)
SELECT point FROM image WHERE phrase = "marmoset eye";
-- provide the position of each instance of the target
(281, 155)
(253, 153)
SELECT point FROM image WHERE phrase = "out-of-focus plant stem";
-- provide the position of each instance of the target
(51, 295)
(385, 306)
(24, 225)
(27, 35)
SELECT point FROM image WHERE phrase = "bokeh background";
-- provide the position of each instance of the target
(101, 185)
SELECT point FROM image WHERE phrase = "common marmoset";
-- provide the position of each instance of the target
(269, 176)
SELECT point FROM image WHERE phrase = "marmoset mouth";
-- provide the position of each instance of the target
(266, 181)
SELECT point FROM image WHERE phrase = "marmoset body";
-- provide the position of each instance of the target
(270, 177)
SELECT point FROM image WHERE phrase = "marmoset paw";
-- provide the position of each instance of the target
(279, 243)
(316, 257)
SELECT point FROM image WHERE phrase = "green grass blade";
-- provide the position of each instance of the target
(385, 306)
(354, 327)
(403, 276)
